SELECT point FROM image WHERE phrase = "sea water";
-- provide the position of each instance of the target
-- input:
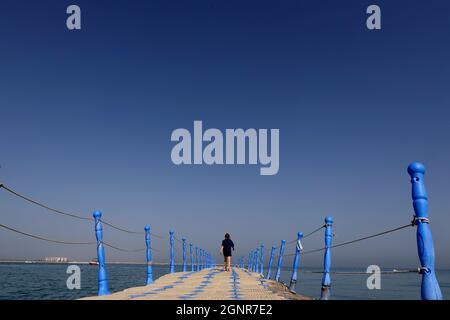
(48, 281)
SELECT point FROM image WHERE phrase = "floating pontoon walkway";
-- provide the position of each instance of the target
(208, 284)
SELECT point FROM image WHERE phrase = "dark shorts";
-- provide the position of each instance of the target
(227, 253)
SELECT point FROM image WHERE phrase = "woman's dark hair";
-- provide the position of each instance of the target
(227, 236)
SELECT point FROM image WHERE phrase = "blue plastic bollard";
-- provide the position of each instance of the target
(201, 259)
(183, 240)
(280, 260)
(430, 289)
(253, 260)
(261, 265)
(257, 260)
(249, 265)
(102, 275)
(326, 279)
(197, 266)
(269, 271)
(205, 257)
(148, 255)
(295, 262)
(172, 253)
(191, 256)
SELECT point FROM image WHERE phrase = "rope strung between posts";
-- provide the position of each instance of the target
(68, 242)
(124, 250)
(313, 232)
(304, 237)
(418, 270)
(44, 206)
(44, 239)
(357, 240)
(72, 215)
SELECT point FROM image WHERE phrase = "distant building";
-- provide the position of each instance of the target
(56, 259)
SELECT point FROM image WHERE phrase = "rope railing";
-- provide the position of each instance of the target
(72, 215)
(125, 250)
(417, 270)
(43, 238)
(355, 240)
(70, 242)
(304, 237)
(430, 287)
(202, 258)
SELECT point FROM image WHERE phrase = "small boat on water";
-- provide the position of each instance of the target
(93, 262)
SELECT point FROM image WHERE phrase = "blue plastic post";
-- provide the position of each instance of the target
(191, 256)
(430, 289)
(280, 260)
(326, 279)
(249, 265)
(295, 262)
(197, 265)
(172, 253)
(148, 255)
(201, 259)
(205, 256)
(257, 260)
(183, 240)
(261, 266)
(102, 275)
(269, 271)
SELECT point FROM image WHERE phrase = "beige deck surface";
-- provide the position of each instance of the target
(208, 284)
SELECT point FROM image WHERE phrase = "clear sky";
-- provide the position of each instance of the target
(86, 118)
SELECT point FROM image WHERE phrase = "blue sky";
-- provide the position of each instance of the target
(86, 118)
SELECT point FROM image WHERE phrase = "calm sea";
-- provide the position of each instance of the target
(48, 281)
